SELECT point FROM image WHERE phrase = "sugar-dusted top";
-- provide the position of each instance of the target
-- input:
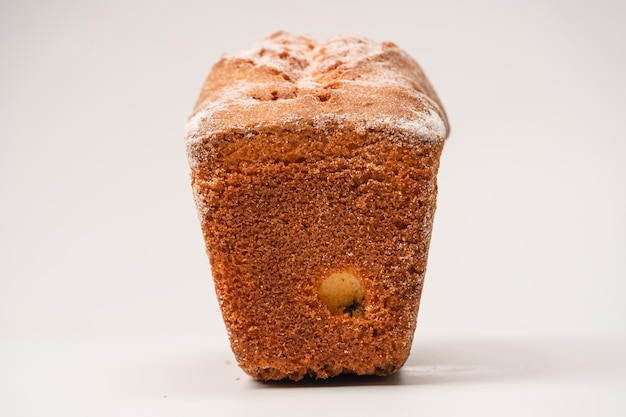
(291, 80)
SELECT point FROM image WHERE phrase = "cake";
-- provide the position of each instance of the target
(313, 167)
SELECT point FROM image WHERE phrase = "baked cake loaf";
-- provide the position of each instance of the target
(314, 173)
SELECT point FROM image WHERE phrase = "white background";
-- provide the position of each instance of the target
(106, 302)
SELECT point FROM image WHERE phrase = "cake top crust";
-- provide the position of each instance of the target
(292, 81)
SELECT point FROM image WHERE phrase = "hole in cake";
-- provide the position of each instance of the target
(400, 224)
(292, 158)
(343, 293)
(323, 96)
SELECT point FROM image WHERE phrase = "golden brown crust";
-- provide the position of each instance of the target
(291, 79)
(308, 169)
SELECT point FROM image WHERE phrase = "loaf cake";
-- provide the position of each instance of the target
(313, 167)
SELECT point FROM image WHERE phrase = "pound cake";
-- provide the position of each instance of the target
(314, 167)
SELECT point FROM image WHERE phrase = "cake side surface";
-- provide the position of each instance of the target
(314, 171)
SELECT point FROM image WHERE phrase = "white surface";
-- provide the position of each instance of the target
(106, 302)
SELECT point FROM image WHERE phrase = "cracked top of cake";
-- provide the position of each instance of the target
(293, 81)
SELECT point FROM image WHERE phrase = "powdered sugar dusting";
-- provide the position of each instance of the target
(428, 126)
(290, 54)
(309, 70)
(344, 51)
